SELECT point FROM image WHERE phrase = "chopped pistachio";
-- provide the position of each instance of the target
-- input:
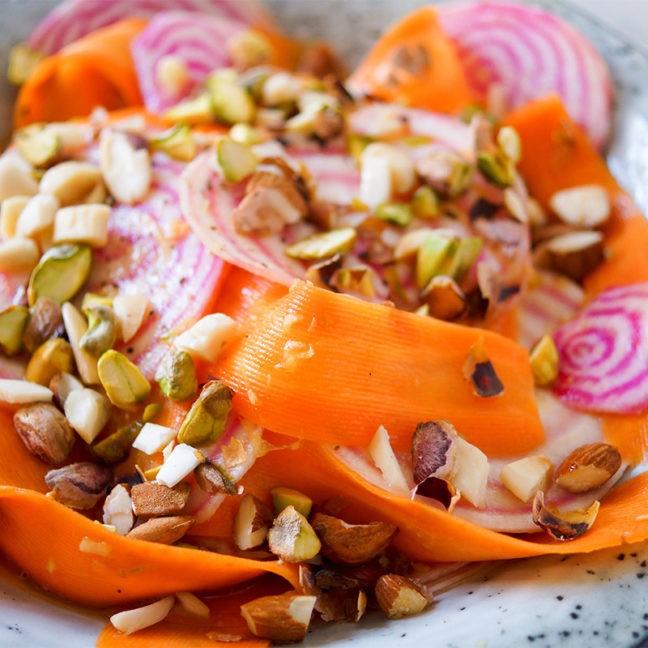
(355, 280)
(205, 421)
(446, 172)
(425, 203)
(213, 478)
(283, 497)
(52, 357)
(122, 380)
(13, 321)
(509, 143)
(114, 448)
(245, 134)
(60, 273)
(236, 160)
(467, 252)
(102, 330)
(496, 168)
(199, 110)
(356, 144)
(231, 102)
(151, 411)
(177, 142)
(176, 375)
(319, 246)
(544, 361)
(93, 299)
(395, 213)
(431, 256)
(38, 145)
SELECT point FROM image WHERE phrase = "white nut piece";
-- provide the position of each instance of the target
(525, 477)
(470, 476)
(87, 412)
(126, 170)
(76, 325)
(37, 215)
(131, 621)
(82, 224)
(385, 170)
(584, 206)
(118, 510)
(67, 383)
(280, 88)
(16, 178)
(130, 311)
(153, 437)
(191, 604)
(18, 254)
(172, 75)
(10, 210)
(207, 336)
(70, 181)
(383, 456)
(23, 391)
(181, 462)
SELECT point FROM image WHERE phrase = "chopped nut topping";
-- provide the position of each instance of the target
(292, 538)
(563, 525)
(399, 597)
(163, 530)
(79, 485)
(588, 467)
(251, 523)
(151, 500)
(525, 477)
(213, 479)
(480, 371)
(284, 618)
(45, 432)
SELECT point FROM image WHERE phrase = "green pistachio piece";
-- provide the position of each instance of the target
(245, 134)
(93, 299)
(394, 213)
(124, 383)
(102, 330)
(283, 497)
(431, 257)
(115, 447)
(13, 321)
(236, 160)
(425, 203)
(192, 111)
(60, 273)
(22, 62)
(151, 411)
(253, 79)
(51, 357)
(464, 257)
(326, 244)
(496, 168)
(178, 143)
(176, 375)
(231, 102)
(38, 145)
(205, 421)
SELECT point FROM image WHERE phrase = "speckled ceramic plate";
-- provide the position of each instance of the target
(593, 601)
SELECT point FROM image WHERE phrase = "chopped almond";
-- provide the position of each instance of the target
(284, 618)
(399, 597)
(251, 523)
(151, 500)
(588, 467)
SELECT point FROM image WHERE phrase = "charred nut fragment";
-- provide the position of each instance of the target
(79, 485)
(292, 538)
(588, 467)
(479, 370)
(164, 530)
(151, 500)
(446, 172)
(444, 298)
(176, 375)
(251, 523)
(52, 357)
(544, 361)
(213, 479)
(13, 321)
(45, 432)
(399, 597)
(102, 330)
(118, 509)
(205, 421)
(45, 322)
(586, 206)
(525, 477)
(122, 380)
(352, 544)
(283, 497)
(70, 182)
(114, 448)
(563, 525)
(576, 254)
(284, 618)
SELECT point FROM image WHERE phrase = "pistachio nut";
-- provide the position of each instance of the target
(425, 203)
(13, 321)
(122, 380)
(245, 134)
(192, 111)
(51, 357)
(319, 246)
(178, 143)
(79, 485)
(93, 299)
(431, 255)
(205, 421)
(45, 322)
(176, 376)
(231, 102)
(213, 479)
(38, 145)
(236, 160)
(102, 330)
(114, 448)
(497, 168)
(467, 252)
(151, 411)
(394, 213)
(45, 432)
(61, 272)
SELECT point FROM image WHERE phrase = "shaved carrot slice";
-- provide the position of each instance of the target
(96, 70)
(416, 64)
(332, 368)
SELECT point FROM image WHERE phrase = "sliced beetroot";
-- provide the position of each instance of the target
(196, 39)
(531, 52)
(604, 353)
(75, 18)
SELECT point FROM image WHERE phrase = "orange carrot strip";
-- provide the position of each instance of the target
(96, 70)
(416, 64)
(332, 368)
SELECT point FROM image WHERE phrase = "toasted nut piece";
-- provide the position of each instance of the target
(75, 326)
(114, 448)
(470, 476)
(18, 254)
(444, 298)
(192, 111)
(82, 224)
(69, 182)
(130, 311)
(236, 160)
(576, 254)
(563, 525)
(433, 450)
(45, 322)
(230, 101)
(176, 375)
(79, 485)
(284, 618)
(87, 411)
(118, 510)
(191, 604)
(515, 205)
(178, 142)
(164, 530)
(13, 321)
(16, 178)
(525, 477)
(37, 216)
(399, 597)
(497, 168)
(10, 210)
(544, 361)
(251, 523)
(584, 206)
(23, 391)
(339, 598)
(52, 357)
(131, 621)
(352, 544)
(207, 337)
(588, 467)
(249, 48)
(283, 497)
(38, 145)
(292, 538)
(355, 281)
(385, 171)
(245, 134)
(102, 330)
(152, 500)
(122, 380)
(446, 172)
(508, 141)
(213, 479)
(45, 432)
(62, 385)
(281, 87)
(172, 75)
(205, 421)
(479, 370)
(182, 461)
(324, 244)
(153, 438)
(126, 170)
(383, 456)
(425, 203)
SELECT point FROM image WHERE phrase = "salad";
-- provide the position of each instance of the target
(282, 343)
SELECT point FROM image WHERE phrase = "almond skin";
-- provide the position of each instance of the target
(399, 597)
(164, 530)
(79, 485)
(588, 467)
(151, 500)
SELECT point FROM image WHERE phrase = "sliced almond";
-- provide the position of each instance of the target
(131, 621)
(584, 206)
(383, 455)
(179, 464)
(153, 437)
(292, 538)
(352, 544)
(10, 210)
(191, 604)
(563, 525)
(37, 216)
(251, 523)
(284, 618)
(525, 477)
(399, 597)
(22, 391)
(470, 476)
(588, 467)
(152, 500)
(576, 254)
(118, 511)
(163, 530)
(18, 254)
(70, 182)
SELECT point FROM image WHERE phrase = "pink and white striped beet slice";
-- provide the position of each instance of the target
(531, 52)
(73, 19)
(197, 39)
(207, 204)
(604, 353)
